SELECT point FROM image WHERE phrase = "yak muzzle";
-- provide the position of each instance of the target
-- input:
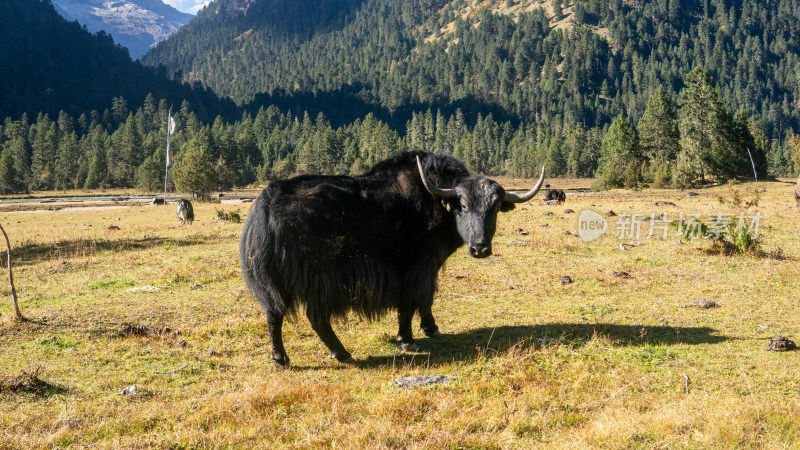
(480, 249)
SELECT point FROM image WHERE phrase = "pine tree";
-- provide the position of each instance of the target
(22, 166)
(119, 109)
(703, 125)
(557, 13)
(97, 171)
(66, 167)
(194, 171)
(793, 146)
(658, 128)
(150, 174)
(45, 151)
(130, 151)
(8, 175)
(618, 154)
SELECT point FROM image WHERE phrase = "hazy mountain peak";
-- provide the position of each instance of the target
(135, 24)
(230, 7)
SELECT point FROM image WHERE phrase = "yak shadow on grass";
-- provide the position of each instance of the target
(30, 253)
(487, 342)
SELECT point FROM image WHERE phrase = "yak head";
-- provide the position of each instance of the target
(477, 201)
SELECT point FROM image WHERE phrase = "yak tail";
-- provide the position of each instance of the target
(253, 257)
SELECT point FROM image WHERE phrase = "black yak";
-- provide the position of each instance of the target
(555, 196)
(367, 244)
(185, 211)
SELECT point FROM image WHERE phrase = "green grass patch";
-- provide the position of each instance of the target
(111, 284)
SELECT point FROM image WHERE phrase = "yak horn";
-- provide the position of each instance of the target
(435, 191)
(514, 198)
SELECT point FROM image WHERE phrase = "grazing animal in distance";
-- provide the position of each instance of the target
(797, 193)
(367, 244)
(555, 196)
(185, 211)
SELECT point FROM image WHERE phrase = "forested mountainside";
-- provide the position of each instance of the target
(50, 65)
(135, 24)
(658, 93)
(577, 62)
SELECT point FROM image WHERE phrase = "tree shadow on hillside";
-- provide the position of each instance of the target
(488, 342)
(344, 105)
(34, 252)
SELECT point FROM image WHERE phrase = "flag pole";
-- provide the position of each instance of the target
(170, 130)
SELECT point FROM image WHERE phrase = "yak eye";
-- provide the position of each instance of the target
(464, 207)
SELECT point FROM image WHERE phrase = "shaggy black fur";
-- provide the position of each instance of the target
(367, 244)
(185, 211)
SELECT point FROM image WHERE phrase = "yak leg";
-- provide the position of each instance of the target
(427, 322)
(404, 335)
(322, 326)
(275, 322)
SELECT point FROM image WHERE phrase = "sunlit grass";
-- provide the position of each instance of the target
(600, 362)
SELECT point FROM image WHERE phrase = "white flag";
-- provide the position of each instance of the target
(171, 126)
(169, 160)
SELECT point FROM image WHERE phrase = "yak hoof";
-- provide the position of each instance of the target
(281, 364)
(409, 347)
(434, 333)
(343, 358)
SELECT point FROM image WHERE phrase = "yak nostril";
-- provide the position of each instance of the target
(480, 250)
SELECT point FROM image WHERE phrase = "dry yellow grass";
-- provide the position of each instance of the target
(596, 363)
(471, 8)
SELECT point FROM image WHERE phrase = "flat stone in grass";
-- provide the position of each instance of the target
(130, 390)
(415, 382)
(705, 304)
(665, 203)
(143, 289)
(702, 303)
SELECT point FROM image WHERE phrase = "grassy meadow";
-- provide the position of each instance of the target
(606, 361)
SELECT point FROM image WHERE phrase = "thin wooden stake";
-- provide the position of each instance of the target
(11, 276)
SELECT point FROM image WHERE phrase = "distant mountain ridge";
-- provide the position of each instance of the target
(52, 65)
(137, 25)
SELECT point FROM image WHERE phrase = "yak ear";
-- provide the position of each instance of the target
(507, 206)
